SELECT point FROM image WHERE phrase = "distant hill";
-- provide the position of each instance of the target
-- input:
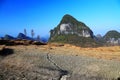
(100, 39)
(8, 37)
(99, 36)
(112, 37)
(45, 40)
(21, 39)
(23, 36)
(72, 31)
(112, 34)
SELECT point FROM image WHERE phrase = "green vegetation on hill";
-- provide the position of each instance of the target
(70, 19)
(76, 40)
(112, 34)
(77, 27)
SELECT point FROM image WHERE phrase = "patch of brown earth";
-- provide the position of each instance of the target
(110, 53)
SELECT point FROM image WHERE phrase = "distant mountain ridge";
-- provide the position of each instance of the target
(8, 37)
(22, 36)
(72, 31)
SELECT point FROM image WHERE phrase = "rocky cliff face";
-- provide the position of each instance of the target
(68, 28)
(71, 30)
(70, 25)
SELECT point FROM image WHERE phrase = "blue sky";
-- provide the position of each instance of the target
(43, 15)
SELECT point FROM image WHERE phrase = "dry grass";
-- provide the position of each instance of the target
(110, 53)
(69, 57)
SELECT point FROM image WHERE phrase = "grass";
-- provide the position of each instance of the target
(81, 63)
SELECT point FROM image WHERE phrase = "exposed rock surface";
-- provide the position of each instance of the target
(112, 37)
(72, 31)
(70, 25)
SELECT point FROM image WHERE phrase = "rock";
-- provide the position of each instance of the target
(70, 25)
(112, 37)
(72, 31)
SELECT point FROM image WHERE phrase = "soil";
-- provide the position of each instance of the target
(59, 62)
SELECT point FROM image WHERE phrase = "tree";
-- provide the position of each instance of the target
(25, 32)
(32, 33)
(38, 37)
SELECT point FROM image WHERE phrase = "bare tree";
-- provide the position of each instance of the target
(38, 37)
(25, 32)
(32, 33)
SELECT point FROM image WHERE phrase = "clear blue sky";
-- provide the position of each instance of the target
(43, 15)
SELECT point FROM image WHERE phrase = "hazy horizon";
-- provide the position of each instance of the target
(43, 15)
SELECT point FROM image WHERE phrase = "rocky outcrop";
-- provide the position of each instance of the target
(67, 29)
(112, 37)
(70, 25)
(70, 30)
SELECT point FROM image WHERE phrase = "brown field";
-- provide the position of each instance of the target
(110, 53)
(46, 62)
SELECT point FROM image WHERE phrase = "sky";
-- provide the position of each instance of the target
(43, 15)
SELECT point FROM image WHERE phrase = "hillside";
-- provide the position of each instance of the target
(8, 37)
(112, 37)
(112, 34)
(72, 31)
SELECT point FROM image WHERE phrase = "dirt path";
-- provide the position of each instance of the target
(52, 62)
(64, 74)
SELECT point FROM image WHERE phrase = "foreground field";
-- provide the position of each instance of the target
(59, 62)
